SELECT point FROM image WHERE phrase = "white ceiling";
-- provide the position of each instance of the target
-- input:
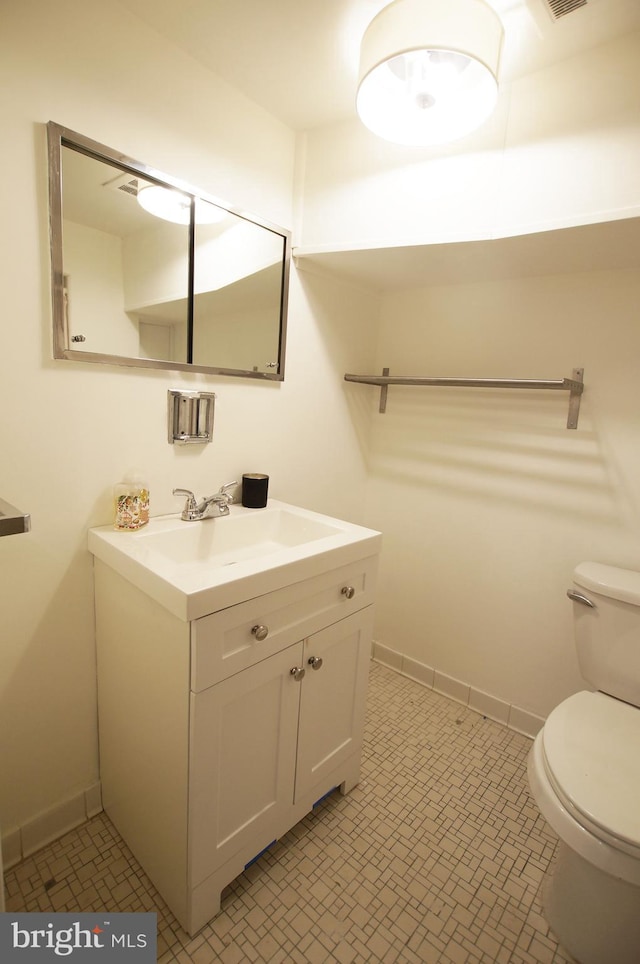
(299, 58)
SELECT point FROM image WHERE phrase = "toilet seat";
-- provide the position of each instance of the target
(591, 756)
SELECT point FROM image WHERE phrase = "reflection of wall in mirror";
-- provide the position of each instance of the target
(156, 288)
(156, 267)
(93, 267)
(96, 272)
(237, 283)
(246, 340)
(168, 342)
(240, 250)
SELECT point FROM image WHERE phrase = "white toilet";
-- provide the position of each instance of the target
(584, 773)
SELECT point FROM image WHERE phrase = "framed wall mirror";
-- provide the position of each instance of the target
(150, 273)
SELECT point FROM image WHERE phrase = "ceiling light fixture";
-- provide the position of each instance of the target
(429, 69)
(172, 205)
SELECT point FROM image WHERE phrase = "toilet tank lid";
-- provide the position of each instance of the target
(622, 584)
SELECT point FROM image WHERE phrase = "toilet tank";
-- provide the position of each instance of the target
(607, 633)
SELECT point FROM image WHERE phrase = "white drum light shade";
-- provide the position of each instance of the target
(428, 70)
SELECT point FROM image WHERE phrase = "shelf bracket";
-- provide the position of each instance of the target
(384, 390)
(576, 387)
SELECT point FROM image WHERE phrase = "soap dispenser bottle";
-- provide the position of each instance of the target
(131, 497)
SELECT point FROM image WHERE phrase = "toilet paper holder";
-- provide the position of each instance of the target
(190, 416)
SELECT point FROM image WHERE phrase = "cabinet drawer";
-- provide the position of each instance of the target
(227, 642)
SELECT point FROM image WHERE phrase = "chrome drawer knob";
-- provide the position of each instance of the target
(260, 632)
(348, 591)
(297, 672)
(315, 662)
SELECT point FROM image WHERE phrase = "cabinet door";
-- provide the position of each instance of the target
(243, 750)
(333, 699)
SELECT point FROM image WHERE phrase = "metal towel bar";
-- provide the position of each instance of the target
(573, 385)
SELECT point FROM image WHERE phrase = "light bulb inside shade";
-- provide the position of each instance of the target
(428, 96)
(172, 205)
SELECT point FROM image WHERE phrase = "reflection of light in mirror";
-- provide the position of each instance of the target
(171, 205)
(128, 281)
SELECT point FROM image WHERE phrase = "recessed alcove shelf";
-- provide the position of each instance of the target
(605, 245)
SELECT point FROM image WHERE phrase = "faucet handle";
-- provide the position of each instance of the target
(191, 510)
(227, 485)
(190, 497)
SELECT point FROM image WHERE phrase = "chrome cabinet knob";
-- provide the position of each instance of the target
(348, 591)
(297, 672)
(315, 662)
(260, 632)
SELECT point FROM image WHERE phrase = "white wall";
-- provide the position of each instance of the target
(70, 430)
(486, 500)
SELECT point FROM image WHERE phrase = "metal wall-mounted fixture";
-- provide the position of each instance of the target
(13, 520)
(429, 70)
(573, 385)
(190, 416)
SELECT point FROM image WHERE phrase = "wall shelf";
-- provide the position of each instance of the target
(573, 385)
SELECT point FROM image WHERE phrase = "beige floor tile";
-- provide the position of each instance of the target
(436, 856)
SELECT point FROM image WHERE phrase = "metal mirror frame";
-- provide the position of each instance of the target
(59, 137)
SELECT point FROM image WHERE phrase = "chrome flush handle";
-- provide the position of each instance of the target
(579, 598)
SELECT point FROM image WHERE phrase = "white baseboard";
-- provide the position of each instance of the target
(487, 705)
(21, 842)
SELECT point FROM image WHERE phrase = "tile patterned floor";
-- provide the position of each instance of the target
(436, 856)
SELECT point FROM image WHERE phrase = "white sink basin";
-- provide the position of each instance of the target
(247, 536)
(194, 568)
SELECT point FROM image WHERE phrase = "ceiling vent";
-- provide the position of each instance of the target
(126, 183)
(560, 8)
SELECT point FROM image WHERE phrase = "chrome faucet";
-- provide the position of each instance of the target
(210, 507)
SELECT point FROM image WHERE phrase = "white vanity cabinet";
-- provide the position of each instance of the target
(219, 734)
